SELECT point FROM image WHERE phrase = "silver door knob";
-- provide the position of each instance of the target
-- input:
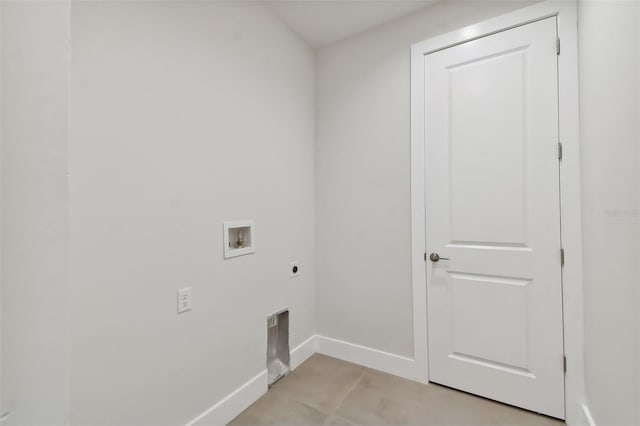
(435, 257)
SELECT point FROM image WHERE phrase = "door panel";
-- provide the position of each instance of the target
(493, 209)
(488, 136)
(495, 306)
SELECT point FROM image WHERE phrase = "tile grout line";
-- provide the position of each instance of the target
(351, 389)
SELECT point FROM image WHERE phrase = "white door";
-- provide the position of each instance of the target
(493, 211)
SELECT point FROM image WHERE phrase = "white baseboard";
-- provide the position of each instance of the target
(233, 404)
(303, 351)
(240, 399)
(588, 418)
(372, 358)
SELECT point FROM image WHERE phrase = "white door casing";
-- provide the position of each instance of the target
(493, 209)
(565, 12)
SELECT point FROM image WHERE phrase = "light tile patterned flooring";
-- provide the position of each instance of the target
(328, 391)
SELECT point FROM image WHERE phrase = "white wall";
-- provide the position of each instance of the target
(183, 115)
(34, 104)
(363, 176)
(609, 37)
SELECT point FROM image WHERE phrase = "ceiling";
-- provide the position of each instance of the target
(322, 22)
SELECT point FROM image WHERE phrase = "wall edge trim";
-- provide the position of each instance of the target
(587, 415)
(376, 359)
(229, 407)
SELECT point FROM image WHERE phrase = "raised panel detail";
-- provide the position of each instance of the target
(490, 319)
(487, 150)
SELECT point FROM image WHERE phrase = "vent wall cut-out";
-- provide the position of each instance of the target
(278, 364)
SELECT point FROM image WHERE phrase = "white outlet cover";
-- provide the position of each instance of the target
(184, 300)
(293, 265)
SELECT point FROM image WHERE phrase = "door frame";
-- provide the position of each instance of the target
(570, 188)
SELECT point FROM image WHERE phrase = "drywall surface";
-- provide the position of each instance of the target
(363, 176)
(34, 103)
(184, 115)
(609, 37)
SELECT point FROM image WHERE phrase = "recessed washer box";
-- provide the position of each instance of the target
(239, 238)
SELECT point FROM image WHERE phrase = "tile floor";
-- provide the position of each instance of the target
(328, 391)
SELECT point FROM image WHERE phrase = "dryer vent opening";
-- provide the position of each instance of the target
(278, 364)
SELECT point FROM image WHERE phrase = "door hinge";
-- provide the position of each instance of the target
(564, 363)
(558, 45)
(559, 150)
(561, 257)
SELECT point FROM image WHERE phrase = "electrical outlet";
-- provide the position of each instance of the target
(294, 269)
(184, 300)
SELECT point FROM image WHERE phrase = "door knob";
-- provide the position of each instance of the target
(435, 257)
